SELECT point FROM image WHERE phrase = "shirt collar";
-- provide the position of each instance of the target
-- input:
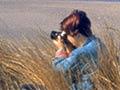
(89, 39)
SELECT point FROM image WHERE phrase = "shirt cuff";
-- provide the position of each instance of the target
(61, 53)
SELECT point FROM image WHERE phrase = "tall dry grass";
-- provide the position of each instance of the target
(107, 77)
(30, 63)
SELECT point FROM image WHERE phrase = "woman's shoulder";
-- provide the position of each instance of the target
(91, 44)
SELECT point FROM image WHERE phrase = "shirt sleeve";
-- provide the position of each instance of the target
(63, 64)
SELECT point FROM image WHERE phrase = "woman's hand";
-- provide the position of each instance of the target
(61, 52)
(59, 43)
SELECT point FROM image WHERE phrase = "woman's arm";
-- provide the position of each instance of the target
(63, 64)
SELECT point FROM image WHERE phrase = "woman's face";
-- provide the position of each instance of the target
(76, 40)
(73, 40)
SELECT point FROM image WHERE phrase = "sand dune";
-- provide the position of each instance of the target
(18, 17)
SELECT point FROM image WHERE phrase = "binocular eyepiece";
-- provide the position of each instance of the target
(54, 35)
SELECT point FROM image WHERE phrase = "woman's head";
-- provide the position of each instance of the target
(77, 22)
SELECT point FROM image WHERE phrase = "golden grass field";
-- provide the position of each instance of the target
(26, 50)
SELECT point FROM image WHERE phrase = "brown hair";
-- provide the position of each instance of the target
(77, 22)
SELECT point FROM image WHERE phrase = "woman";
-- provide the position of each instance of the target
(77, 65)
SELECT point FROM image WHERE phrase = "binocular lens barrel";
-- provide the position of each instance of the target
(54, 34)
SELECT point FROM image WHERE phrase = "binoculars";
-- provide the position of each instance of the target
(54, 35)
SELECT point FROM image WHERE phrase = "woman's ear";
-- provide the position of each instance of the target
(72, 40)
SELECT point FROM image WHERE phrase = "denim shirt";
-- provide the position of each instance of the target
(81, 63)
